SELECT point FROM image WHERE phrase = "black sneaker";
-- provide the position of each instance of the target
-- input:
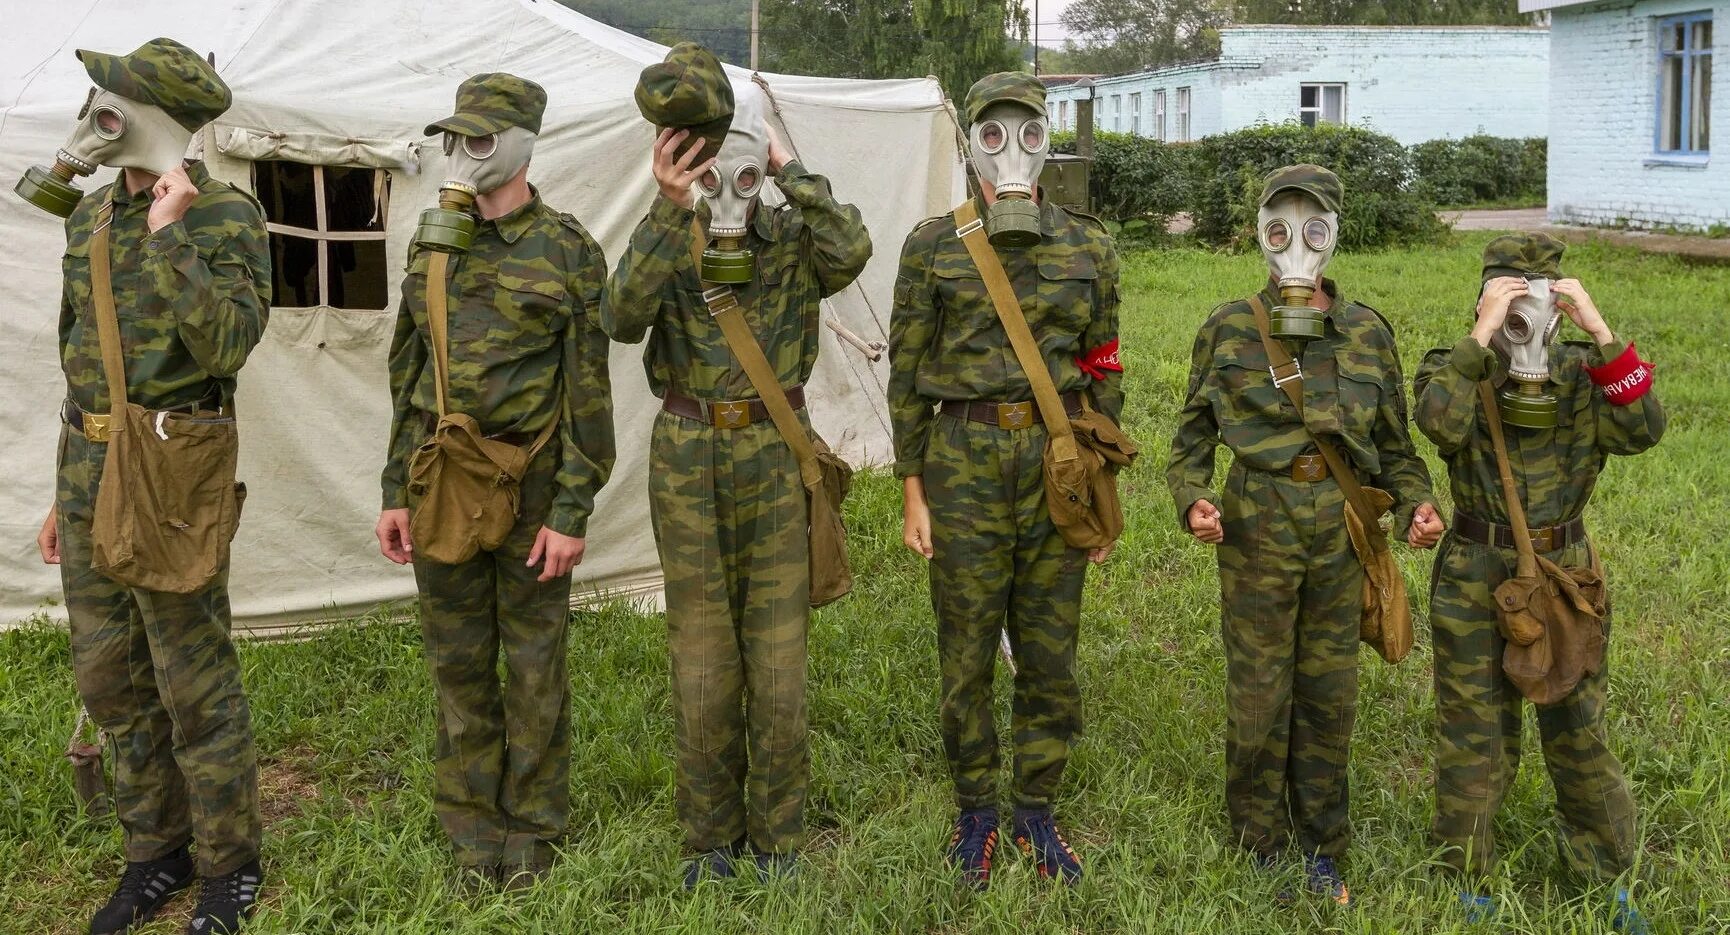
(145, 887)
(713, 865)
(226, 901)
(972, 845)
(774, 867)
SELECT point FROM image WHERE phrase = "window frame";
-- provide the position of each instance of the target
(1135, 112)
(1320, 108)
(323, 236)
(1185, 97)
(1159, 115)
(1687, 55)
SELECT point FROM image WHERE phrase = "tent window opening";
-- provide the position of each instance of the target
(1685, 84)
(1321, 103)
(327, 230)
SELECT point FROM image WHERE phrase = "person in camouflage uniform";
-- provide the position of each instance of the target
(969, 447)
(725, 495)
(190, 273)
(526, 348)
(1290, 583)
(1605, 408)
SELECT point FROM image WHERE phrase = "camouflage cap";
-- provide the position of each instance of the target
(165, 74)
(492, 102)
(1015, 87)
(688, 90)
(1526, 254)
(1319, 183)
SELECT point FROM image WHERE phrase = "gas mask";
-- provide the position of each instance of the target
(1297, 236)
(733, 188)
(1524, 339)
(1009, 146)
(475, 165)
(112, 131)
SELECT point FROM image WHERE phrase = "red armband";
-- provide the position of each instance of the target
(1097, 362)
(1625, 379)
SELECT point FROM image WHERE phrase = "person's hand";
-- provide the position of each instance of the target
(1499, 294)
(562, 553)
(1427, 527)
(778, 154)
(1099, 555)
(48, 540)
(1581, 310)
(174, 193)
(1205, 524)
(673, 170)
(393, 537)
(916, 518)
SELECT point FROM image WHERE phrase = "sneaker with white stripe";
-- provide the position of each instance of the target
(227, 901)
(145, 887)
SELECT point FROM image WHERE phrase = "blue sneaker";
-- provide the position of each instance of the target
(772, 867)
(1322, 876)
(712, 865)
(1478, 909)
(1037, 836)
(972, 845)
(1626, 918)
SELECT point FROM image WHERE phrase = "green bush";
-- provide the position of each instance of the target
(1381, 207)
(1133, 178)
(1481, 169)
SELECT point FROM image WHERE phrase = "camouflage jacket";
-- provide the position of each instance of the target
(192, 298)
(1353, 394)
(946, 341)
(525, 347)
(806, 250)
(1554, 469)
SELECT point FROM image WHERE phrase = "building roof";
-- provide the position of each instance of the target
(1064, 81)
(1538, 6)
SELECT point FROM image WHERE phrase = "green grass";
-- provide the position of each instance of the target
(345, 720)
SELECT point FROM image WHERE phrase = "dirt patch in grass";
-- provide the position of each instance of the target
(285, 783)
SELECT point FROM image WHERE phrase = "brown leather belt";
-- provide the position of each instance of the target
(1023, 415)
(1544, 538)
(1309, 468)
(726, 413)
(519, 439)
(94, 425)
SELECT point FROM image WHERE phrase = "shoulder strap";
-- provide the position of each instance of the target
(725, 309)
(1528, 561)
(971, 230)
(107, 321)
(1288, 375)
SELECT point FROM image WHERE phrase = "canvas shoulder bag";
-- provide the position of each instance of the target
(1386, 622)
(825, 475)
(167, 505)
(467, 487)
(1552, 617)
(1083, 454)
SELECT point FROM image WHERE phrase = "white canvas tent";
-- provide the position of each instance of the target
(352, 83)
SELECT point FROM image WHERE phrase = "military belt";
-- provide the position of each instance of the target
(1544, 538)
(1023, 415)
(1309, 468)
(518, 439)
(727, 413)
(94, 425)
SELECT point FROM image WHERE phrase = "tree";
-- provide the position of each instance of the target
(1126, 35)
(958, 41)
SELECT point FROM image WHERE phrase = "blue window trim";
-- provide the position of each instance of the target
(1686, 54)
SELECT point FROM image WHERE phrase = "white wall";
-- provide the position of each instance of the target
(1603, 169)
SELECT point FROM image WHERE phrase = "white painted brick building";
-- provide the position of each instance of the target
(1631, 113)
(1412, 83)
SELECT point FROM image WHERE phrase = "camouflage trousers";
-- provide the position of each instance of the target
(159, 673)
(1290, 601)
(999, 564)
(729, 514)
(1479, 716)
(503, 756)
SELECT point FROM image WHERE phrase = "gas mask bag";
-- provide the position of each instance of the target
(733, 188)
(1297, 227)
(487, 142)
(1009, 139)
(1530, 328)
(141, 115)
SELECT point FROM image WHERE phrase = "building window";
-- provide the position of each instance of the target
(1135, 113)
(326, 228)
(1321, 103)
(1159, 116)
(1183, 115)
(1063, 115)
(1117, 112)
(1685, 83)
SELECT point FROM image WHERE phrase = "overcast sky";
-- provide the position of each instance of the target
(1050, 31)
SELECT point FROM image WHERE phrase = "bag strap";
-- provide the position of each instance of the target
(1288, 375)
(1528, 560)
(724, 307)
(438, 322)
(971, 230)
(107, 321)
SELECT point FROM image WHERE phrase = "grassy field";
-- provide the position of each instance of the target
(345, 721)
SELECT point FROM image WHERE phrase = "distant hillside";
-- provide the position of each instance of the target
(722, 25)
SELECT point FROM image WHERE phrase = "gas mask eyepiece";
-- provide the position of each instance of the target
(733, 189)
(1297, 237)
(1010, 143)
(1524, 339)
(475, 165)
